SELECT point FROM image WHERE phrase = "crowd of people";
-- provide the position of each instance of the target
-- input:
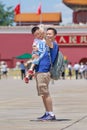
(78, 70)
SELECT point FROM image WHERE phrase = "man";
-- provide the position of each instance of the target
(43, 74)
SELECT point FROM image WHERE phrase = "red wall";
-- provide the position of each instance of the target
(73, 53)
(73, 46)
(80, 16)
(12, 45)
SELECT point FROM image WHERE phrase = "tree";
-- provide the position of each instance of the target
(6, 15)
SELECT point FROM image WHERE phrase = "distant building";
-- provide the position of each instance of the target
(79, 10)
(72, 40)
(26, 19)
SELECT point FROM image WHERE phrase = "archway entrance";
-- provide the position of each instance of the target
(83, 60)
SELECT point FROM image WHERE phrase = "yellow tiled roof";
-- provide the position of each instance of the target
(75, 2)
(33, 17)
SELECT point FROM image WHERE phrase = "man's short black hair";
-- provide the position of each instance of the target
(54, 30)
(34, 29)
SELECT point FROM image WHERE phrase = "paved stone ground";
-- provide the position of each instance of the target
(19, 104)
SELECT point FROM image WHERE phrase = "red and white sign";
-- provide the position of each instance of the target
(71, 39)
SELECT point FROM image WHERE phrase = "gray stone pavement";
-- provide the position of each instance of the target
(19, 104)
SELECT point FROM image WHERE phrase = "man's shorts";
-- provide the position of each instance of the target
(42, 81)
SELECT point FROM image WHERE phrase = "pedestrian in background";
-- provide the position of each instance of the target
(22, 69)
(4, 70)
(86, 70)
(70, 70)
(76, 69)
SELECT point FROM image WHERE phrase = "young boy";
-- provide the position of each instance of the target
(39, 47)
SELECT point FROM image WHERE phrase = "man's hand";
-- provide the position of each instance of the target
(49, 42)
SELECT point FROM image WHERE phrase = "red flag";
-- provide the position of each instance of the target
(39, 10)
(17, 9)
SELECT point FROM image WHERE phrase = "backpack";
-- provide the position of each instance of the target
(58, 67)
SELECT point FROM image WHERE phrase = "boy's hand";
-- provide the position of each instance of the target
(30, 72)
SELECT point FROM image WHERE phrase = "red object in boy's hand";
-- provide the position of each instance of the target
(26, 79)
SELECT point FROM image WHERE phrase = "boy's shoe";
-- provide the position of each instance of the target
(30, 77)
(26, 79)
(42, 116)
(48, 118)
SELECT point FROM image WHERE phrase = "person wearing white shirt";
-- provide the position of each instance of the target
(76, 68)
(4, 69)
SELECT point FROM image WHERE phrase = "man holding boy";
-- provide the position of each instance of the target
(42, 73)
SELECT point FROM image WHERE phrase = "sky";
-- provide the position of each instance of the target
(28, 6)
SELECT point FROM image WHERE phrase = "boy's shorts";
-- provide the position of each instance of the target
(42, 81)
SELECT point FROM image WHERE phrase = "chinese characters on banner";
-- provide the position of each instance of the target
(71, 39)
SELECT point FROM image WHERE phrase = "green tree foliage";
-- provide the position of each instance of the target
(6, 15)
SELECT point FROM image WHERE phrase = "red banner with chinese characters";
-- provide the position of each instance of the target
(72, 39)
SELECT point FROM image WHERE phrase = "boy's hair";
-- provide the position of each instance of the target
(53, 29)
(34, 29)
